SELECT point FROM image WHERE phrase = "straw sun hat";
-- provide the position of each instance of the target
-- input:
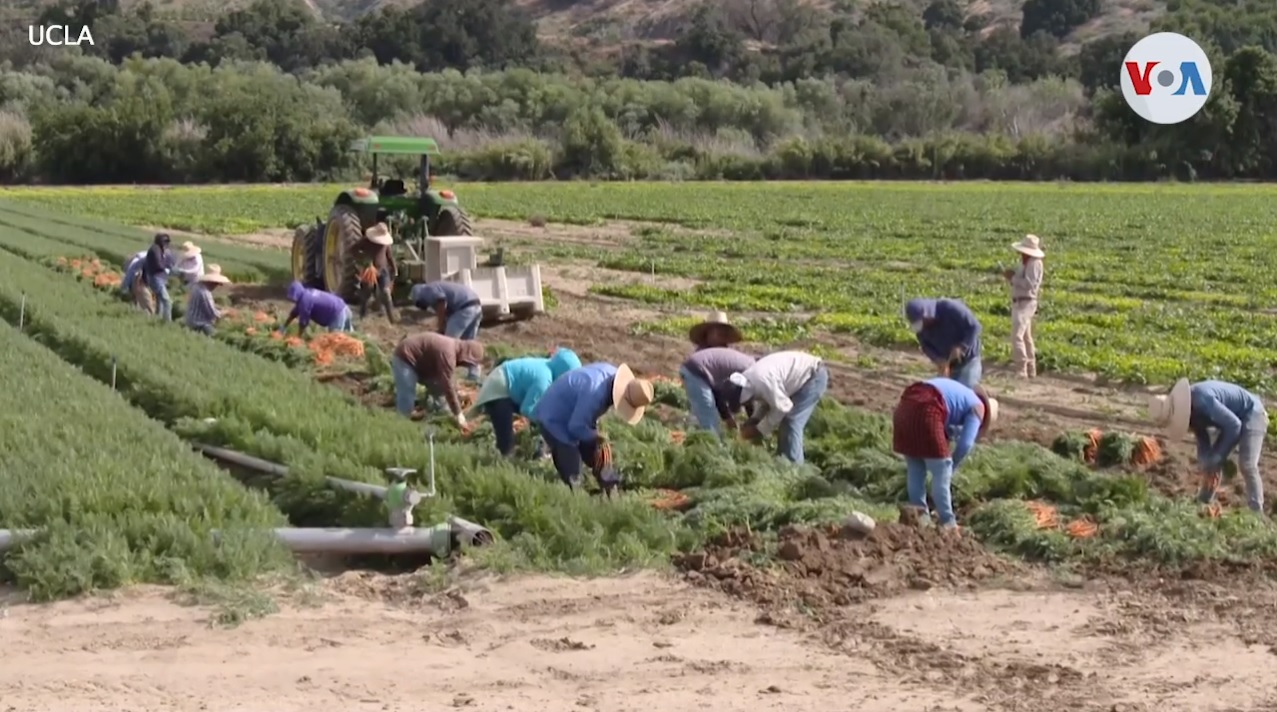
(630, 396)
(714, 320)
(213, 275)
(379, 234)
(1172, 411)
(1030, 246)
(190, 249)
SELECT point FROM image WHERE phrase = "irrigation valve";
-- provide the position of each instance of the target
(401, 497)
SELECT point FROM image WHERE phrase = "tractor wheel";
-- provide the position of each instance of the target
(314, 256)
(341, 236)
(299, 254)
(453, 223)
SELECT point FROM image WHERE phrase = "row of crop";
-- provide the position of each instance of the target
(117, 243)
(119, 498)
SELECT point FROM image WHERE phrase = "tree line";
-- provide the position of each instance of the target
(748, 89)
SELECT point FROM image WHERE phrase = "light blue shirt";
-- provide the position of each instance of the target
(964, 418)
(1225, 407)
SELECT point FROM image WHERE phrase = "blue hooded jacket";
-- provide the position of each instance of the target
(953, 324)
(570, 410)
(527, 379)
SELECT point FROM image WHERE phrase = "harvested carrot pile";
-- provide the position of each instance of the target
(1082, 528)
(262, 317)
(1212, 511)
(1044, 515)
(670, 500)
(1147, 452)
(678, 436)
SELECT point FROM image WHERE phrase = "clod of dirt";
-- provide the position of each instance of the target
(561, 645)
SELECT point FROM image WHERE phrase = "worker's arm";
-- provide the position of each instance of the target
(778, 405)
(441, 316)
(1229, 427)
(583, 423)
(1204, 445)
(970, 431)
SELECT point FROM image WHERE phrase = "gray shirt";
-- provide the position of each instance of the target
(1027, 280)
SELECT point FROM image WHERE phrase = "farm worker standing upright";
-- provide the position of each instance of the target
(707, 371)
(1236, 414)
(155, 273)
(515, 387)
(377, 270)
(201, 312)
(190, 263)
(328, 310)
(457, 310)
(949, 335)
(930, 414)
(787, 386)
(1026, 281)
(431, 360)
(568, 416)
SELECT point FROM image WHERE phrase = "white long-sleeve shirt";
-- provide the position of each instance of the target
(773, 379)
(1027, 280)
(191, 268)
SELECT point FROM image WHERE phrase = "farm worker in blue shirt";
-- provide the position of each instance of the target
(949, 335)
(1236, 414)
(457, 310)
(327, 310)
(707, 372)
(568, 416)
(515, 387)
(156, 266)
(930, 414)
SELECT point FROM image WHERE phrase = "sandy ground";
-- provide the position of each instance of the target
(641, 642)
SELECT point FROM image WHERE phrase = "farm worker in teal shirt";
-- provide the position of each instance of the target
(568, 416)
(1234, 413)
(457, 308)
(930, 414)
(515, 387)
(327, 310)
(949, 335)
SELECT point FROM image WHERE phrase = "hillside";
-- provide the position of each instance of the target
(621, 20)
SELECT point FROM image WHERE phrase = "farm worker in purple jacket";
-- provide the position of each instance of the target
(516, 387)
(1236, 415)
(786, 386)
(930, 414)
(456, 307)
(949, 335)
(568, 416)
(327, 310)
(707, 372)
(156, 267)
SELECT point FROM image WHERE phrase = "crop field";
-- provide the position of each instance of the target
(1144, 284)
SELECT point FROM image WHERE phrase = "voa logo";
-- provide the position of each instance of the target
(58, 36)
(1166, 78)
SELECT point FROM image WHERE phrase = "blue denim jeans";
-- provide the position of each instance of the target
(700, 400)
(805, 402)
(569, 458)
(969, 373)
(131, 271)
(1248, 453)
(345, 322)
(405, 386)
(464, 323)
(205, 329)
(941, 471)
(501, 413)
(158, 284)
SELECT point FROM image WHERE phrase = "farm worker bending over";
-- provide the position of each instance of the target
(1236, 414)
(201, 312)
(132, 268)
(377, 270)
(515, 387)
(457, 310)
(190, 263)
(569, 413)
(1025, 281)
(949, 335)
(431, 360)
(714, 332)
(155, 273)
(327, 310)
(929, 415)
(787, 385)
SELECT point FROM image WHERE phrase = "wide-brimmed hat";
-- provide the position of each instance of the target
(1030, 246)
(379, 234)
(1172, 411)
(190, 249)
(213, 275)
(630, 396)
(717, 320)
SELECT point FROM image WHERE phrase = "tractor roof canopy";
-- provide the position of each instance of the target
(396, 145)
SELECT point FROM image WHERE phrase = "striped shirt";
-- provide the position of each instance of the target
(200, 309)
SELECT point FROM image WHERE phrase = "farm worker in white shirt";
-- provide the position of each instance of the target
(190, 263)
(1026, 282)
(785, 387)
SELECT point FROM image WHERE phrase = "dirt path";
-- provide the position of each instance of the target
(639, 643)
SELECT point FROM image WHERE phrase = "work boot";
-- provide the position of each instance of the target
(1032, 369)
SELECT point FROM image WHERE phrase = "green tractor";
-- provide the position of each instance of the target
(322, 252)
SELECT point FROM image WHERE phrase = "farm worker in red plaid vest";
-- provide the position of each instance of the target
(568, 416)
(707, 371)
(930, 414)
(1026, 281)
(1238, 418)
(786, 387)
(949, 335)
